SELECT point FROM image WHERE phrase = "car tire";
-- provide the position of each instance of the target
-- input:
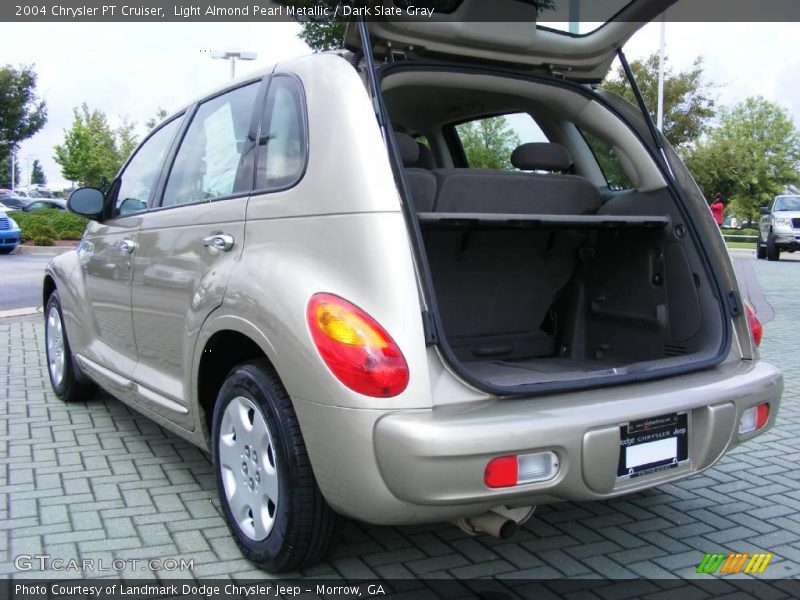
(761, 248)
(60, 362)
(261, 462)
(773, 252)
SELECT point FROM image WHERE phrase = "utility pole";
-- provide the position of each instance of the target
(13, 171)
(662, 44)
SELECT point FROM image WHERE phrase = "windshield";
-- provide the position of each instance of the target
(787, 203)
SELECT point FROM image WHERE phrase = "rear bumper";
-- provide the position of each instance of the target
(428, 465)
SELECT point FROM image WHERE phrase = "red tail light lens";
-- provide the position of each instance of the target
(356, 348)
(755, 325)
(762, 415)
(501, 472)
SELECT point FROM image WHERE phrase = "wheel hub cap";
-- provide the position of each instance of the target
(55, 346)
(248, 467)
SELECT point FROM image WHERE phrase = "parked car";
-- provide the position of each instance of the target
(779, 227)
(356, 321)
(15, 202)
(10, 234)
(52, 203)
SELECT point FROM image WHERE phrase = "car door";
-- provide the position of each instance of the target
(189, 243)
(106, 256)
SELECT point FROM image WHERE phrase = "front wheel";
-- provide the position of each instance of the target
(60, 367)
(267, 489)
(773, 252)
(761, 248)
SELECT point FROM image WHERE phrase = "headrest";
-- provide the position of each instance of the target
(409, 151)
(541, 156)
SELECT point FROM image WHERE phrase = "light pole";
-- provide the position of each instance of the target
(662, 43)
(232, 55)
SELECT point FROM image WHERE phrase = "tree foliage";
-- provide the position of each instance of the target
(689, 104)
(750, 157)
(488, 143)
(37, 173)
(322, 36)
(22, 114)
(90, 153)
(160, 115)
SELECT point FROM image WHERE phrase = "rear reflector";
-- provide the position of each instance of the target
(754, 418)
(508, 471)
(755, 325)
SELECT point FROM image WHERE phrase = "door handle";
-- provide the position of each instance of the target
(126, 246)
(221, 242)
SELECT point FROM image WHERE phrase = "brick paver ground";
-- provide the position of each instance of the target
(98, 481)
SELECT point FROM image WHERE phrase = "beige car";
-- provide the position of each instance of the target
(314, 274)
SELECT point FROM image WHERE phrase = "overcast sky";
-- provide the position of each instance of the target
(131, 69)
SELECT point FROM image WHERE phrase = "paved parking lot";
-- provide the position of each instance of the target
(97, 481)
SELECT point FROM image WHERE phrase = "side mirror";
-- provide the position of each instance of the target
(764, 210)
(87, 202)
(130, 206)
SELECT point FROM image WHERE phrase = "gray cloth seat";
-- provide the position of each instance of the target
(495, 288)
(420, 180)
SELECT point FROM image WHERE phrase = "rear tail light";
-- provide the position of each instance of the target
(356, 348)
(754, 418)
(755, 325)
(508, 471)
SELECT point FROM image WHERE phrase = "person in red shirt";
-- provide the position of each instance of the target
(718, 208)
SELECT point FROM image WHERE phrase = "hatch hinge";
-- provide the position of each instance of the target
(734, 304)
(557, 72)
(429, 328)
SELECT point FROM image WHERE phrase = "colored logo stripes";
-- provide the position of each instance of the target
(735, 562)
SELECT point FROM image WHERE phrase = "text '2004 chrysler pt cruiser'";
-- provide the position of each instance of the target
(307, 273)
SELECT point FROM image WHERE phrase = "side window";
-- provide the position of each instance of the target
(141, 174)
(489, 142)
(609, 162)
(211, 153)
(282, 143)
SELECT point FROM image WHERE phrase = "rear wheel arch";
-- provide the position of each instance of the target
(222, 351)
(48, 287)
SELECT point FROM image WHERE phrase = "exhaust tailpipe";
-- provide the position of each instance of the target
(489, 522)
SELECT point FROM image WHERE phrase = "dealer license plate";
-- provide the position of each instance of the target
(653, 444)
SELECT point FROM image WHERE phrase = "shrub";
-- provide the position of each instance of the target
(729, 231)
(41, 234)
(63, 224)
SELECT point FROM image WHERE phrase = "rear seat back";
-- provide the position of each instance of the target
(495, 288)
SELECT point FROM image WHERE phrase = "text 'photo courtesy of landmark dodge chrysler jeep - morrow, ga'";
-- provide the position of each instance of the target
(303, 273)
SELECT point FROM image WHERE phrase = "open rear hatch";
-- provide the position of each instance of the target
(518, 32)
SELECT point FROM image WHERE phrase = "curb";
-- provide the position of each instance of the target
(21, 312)
(45, 250)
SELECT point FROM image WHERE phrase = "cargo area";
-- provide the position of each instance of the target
(539, 278)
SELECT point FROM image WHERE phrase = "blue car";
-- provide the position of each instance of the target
(9, 233)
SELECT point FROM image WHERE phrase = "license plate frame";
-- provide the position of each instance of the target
(653, 444)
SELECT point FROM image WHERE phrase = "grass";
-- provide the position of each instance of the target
(744, 245)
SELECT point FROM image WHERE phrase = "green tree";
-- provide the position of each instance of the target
(322, 36)
(89, 154)
(22, 114)
(488, 143)
(688, 102)
(5, 173)
(752, 156)
(37, 173)
(126, 140)
(160, 115)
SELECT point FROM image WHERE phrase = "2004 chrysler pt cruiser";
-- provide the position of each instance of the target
(308, 273)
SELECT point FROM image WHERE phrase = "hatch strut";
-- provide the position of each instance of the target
(645, 113)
